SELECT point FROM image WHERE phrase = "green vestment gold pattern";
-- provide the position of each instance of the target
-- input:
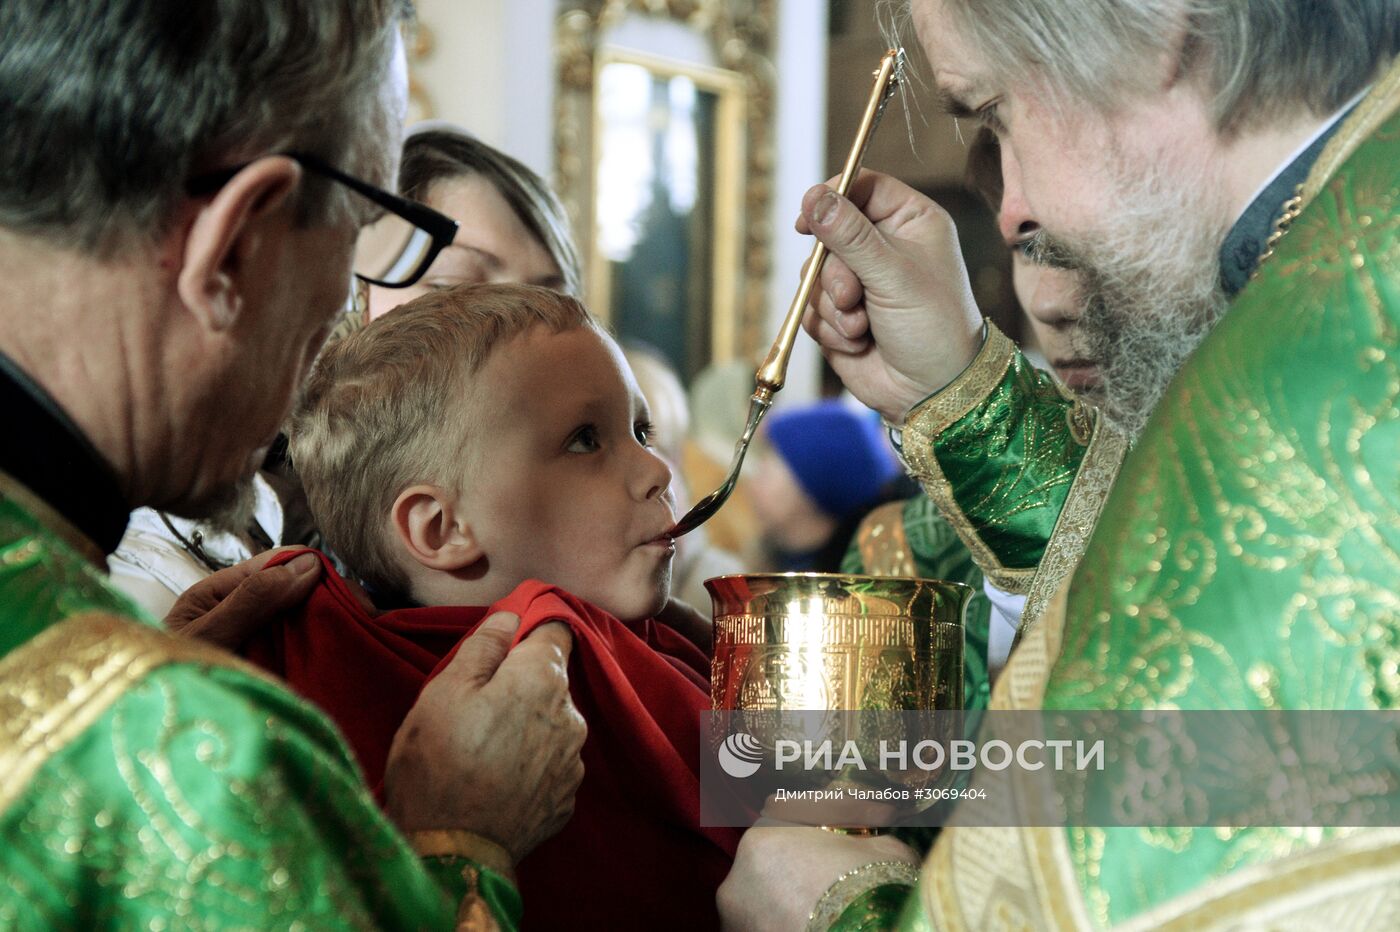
(152, 781)
(1247, 558)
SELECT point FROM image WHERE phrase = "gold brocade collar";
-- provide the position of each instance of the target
(50, 518)
(1373, 110)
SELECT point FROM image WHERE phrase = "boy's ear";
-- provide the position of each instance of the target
(431, 528)
(228, 239)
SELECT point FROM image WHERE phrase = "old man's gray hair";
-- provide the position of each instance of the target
(1255, 58)
(111, 105)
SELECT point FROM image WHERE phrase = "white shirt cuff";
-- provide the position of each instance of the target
(1005, 622)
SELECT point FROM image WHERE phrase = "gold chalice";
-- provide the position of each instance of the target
(830, 643)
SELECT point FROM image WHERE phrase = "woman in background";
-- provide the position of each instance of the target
(511, 226)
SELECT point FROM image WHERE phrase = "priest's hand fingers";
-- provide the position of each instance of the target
(536, 675)
(548, 644)
(841, 287)
(229, 606)
(536, 672)
(492, 746)
(896, 273)
(835, 331)
(482, 653)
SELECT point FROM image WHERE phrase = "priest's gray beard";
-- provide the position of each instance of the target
(1150, 285)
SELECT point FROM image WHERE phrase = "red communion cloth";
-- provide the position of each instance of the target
(634, 854)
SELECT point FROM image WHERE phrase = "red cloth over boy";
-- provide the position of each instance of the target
(633, 855)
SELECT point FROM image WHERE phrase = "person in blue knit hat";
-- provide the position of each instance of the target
(826, 466)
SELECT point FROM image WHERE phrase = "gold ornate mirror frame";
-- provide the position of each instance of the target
(739, 36)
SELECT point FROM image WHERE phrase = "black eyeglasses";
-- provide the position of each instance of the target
(396, 249)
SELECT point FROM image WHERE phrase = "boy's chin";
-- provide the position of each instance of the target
(630, 595)
(649, 609)
(632, 610)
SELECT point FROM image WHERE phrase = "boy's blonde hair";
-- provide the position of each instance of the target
(381, 410)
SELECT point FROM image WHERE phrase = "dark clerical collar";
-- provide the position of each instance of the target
(47, 453)
(1248, 238)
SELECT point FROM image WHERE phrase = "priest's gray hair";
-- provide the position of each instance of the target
(1257, 59)
(110, 106)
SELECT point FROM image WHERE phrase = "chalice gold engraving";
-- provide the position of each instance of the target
(825, 645)
(826, 641)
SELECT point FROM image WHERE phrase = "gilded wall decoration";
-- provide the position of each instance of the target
(728, 104)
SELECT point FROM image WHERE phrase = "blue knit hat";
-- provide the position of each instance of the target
(839, 455)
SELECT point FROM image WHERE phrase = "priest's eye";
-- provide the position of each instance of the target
(644, 431)
(991, 119)
(585, 440)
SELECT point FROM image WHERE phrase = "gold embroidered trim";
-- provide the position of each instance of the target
(935, 414)
(884, 547)
(59, 526)
(442, 843)
(1077, 519)
(851, 885)
(61, 681)
(1354, 873)
(1265, 894)
(1014, 874)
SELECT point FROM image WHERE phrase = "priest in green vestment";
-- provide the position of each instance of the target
(184, 192)
(1225, 176)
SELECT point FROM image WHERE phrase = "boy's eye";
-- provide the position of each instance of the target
(585, 440)
(643, 431)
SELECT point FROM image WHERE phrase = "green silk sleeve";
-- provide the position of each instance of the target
(1018, 466)
(208, 795)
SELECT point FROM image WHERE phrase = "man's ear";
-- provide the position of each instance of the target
(227, 235)
(433, 530)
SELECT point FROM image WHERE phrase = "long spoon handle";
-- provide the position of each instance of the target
(773, 373)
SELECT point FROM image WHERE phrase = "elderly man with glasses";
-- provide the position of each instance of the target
(162, 554)
(175, 239)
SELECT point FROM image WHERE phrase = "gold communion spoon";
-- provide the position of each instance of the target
(772, 374)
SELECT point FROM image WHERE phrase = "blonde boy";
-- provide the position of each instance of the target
(482, 449)
(481, 436)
